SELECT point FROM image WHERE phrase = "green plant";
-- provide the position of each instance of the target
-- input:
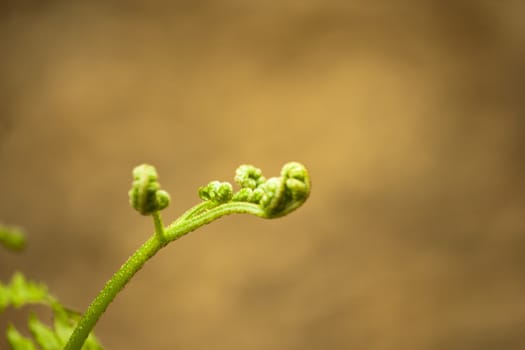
(266, 198)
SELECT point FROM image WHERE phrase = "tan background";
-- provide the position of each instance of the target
(409, 115)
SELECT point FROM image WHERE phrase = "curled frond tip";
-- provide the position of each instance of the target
(218, 192)
(277, 196)
(145, 194)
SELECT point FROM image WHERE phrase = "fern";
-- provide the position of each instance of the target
(267, 198)
(20, 292)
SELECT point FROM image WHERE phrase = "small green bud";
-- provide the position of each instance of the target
(257, 195)
(243, 195)
(270, 189)
(286, 193)
(163, 199)
(297, 180)
(145, 195)
(218, 192)
(248, 176)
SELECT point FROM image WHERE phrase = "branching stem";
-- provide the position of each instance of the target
(142, 255)
(160, 233)
(270, 198)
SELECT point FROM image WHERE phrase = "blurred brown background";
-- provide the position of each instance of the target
(409, 115)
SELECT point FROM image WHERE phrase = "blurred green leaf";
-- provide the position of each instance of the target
(12, 238)
(25, 292)
(63, 324)
(20, 292)
(17, 340)
(44, 336)
(4, 297)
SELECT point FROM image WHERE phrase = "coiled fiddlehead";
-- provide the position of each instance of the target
(217, 192)
(145, 195)
(277, 196)
(267, 198)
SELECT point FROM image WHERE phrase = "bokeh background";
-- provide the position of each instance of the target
(409, 114)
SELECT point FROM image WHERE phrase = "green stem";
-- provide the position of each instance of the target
(110, 290)
(181, 228)
(195, 210)
(159, 227)
(143, 254)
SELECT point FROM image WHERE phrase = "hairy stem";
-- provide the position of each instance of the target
(142, 255)
(110, 291)
(195, 210)
(180, 228)
(159, 227)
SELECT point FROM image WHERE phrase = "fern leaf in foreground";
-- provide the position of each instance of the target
(20, 292)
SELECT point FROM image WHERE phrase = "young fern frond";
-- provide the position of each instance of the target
(145, 195)
(277, 196)
(272, 198)
(267, 198)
